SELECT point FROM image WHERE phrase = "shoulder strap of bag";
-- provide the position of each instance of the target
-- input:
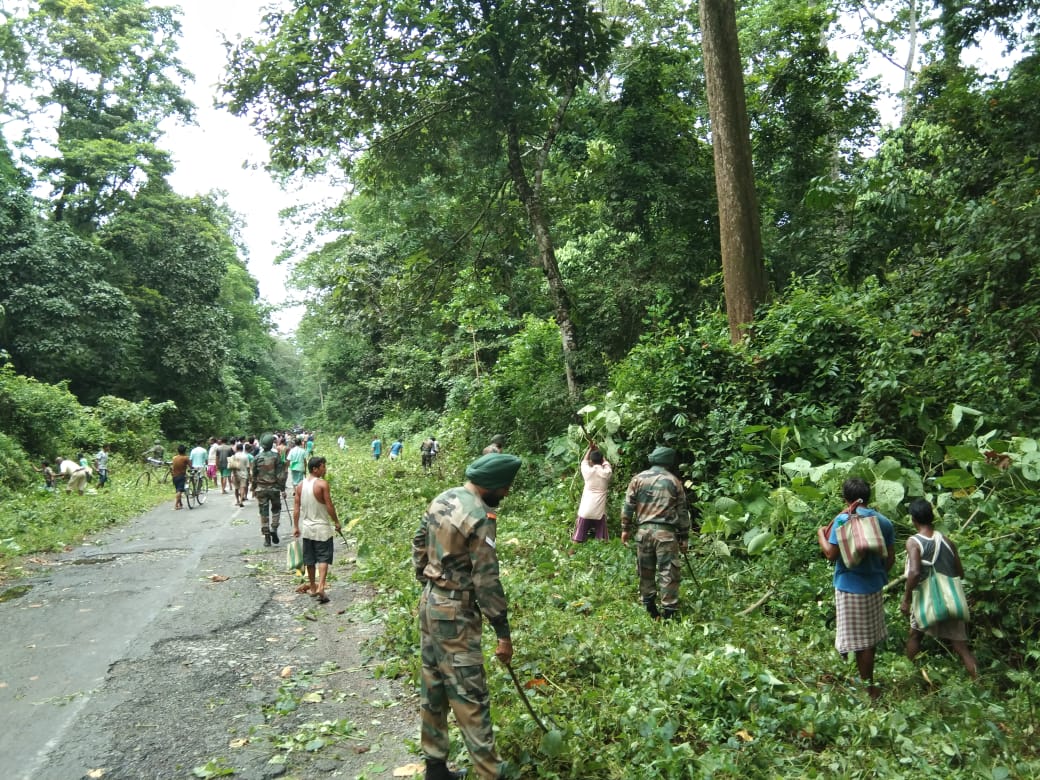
(850, 510)
(937, 538)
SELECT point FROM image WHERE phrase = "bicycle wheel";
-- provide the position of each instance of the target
(166, 475)
(201, 489)
(189, 494)
(144, 479)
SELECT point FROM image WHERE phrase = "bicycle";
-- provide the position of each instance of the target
(196, 487)
(144, 479)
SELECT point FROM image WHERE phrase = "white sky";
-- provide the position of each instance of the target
(222, 152)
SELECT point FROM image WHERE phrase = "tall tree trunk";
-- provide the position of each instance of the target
(743, 268)
(530, 196)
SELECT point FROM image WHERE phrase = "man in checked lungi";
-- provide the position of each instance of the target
(858, 590)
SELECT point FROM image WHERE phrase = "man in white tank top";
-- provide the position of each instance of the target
(316, 523)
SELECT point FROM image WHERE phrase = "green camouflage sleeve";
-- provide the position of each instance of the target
(628, 510)
(281, 472)
(486, 580)
(682, 513)
(420, 554)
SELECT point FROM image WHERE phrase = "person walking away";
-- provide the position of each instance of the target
(592, 509)
(309, 448)
(454, 555)
(238, 464)
(342, 442)
(921, 547)
(101, 465)
(224, 453)
(858, 589)
(179, 473)
(655, 503)
(211, 461)
(377, 448)
(314, 518)
(198, 456)
(395, 449)
(297, 459)
(498, 441)
(425, 449)
(268, 477)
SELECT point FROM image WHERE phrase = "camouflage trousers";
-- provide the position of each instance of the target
(270, 501)
(658, 561)
(453, 677)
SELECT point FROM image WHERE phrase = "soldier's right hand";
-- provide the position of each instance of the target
(504, 651)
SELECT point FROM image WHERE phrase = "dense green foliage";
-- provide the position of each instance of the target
(726, 692)
(112, 286)
(901, 342)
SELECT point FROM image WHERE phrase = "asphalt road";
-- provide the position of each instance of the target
(132, 657)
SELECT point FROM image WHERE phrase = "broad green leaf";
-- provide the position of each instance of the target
(961, 452)
(760, 543)
(1030, 464)
(956, 479)
(888, 493)
(552, 743)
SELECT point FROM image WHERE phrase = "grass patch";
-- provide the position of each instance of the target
(42, 521)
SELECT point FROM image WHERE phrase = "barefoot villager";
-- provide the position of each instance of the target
(268, 478)
(454, 556)
(179, 472)
(656, 504)
(929, 552)
(859, 584)
(315, 522)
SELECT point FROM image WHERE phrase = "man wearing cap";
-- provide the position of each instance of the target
(268, 478)
(454, 556)
(656, 503)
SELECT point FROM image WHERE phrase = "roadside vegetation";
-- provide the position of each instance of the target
(532, 249)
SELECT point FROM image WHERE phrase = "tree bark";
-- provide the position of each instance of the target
(536, 215)
(743, 267)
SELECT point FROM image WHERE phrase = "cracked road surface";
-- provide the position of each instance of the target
(130, 657)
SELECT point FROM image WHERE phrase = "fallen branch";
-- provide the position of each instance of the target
(894, 583)
(765, 597)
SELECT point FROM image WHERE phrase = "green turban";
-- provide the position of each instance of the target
(267, 441)
(493, 471)
(662, 456)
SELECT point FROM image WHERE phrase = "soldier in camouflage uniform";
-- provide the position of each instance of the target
(455, 559)
(268, 478)
(656, 503)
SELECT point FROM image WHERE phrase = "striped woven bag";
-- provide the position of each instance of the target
(859, 536)
(939, 597)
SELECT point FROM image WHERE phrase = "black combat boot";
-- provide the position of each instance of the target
(671, 611)
(438, 770)
(650, 602)
(267, 540)
(274, 536)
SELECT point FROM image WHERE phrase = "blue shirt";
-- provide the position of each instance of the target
(396, 447)
(870, 575)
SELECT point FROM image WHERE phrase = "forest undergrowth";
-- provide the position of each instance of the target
(730, 690)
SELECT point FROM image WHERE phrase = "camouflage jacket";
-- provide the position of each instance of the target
(454, 548)
(656, 496)
(268, 472)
